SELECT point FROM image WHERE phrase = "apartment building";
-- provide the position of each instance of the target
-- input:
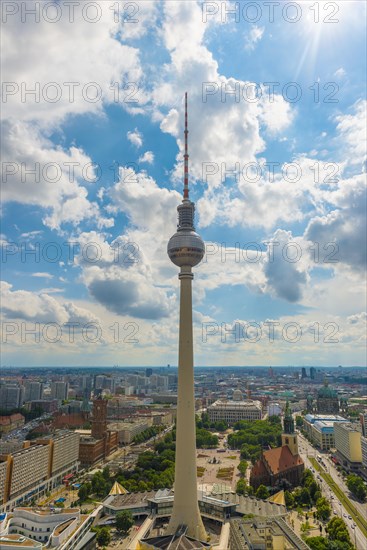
(65, 451)
(59, 390)
(33, 391)
(348, 445)
(37, 468)
(11, 396)
(28, 466)
(233, 411)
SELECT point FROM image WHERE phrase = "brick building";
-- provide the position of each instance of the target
(101, 442)
(281, 464)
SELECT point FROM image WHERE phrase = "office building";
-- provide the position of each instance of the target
(128, 430)
(233, 411)
(320, 429)
(348, 445)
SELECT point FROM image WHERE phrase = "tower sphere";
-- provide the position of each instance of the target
(186, 247)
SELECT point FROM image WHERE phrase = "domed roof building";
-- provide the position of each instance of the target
(237, 395)
(327, 400)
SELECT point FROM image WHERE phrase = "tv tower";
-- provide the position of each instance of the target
(186, 250)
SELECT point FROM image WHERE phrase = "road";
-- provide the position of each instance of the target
(306, 450)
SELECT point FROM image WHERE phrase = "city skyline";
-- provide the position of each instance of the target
(84, 234)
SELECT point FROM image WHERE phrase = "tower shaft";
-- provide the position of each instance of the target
(185, 507)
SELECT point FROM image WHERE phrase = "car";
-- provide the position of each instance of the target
(349, 517)
(335, 512)
(345, 516)
(352, 526)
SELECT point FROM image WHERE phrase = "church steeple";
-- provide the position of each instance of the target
(288, 423)
(289, 436)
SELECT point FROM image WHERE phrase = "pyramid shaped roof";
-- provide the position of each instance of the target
(118, 489)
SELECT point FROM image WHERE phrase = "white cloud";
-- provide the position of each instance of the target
(80, 53)
(352, 133)
(253, 37)
(340, 73)
(147, 157)
(39, 308)
(54, 184)
(135, 137)
(41, 274)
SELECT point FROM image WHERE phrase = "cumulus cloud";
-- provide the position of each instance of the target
(352, 133)
(345, 224)
(285, 274)
(75, 73)
(147, 157)
(40, 308)
(127, 278)
(135, 137)
(253, 37)
(39, 173)
(227, 125)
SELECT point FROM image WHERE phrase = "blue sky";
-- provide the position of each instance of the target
(86, 246)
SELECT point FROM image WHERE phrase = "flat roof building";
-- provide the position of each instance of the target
(348, 445)
(320, 429)
(37, 468)
(233, 411)
(264, 534)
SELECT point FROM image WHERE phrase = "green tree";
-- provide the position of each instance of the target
(317, 543)
(305, 497)
(242, 467)
(99, 486)
(106, 473)
(299, 421)
(289, 499)
(275, 419)
(262, 492)
(323, 509)
(356, 486)
(83, 492)
(337, 530)
(103, 536)
(241, 487)
(124, 521)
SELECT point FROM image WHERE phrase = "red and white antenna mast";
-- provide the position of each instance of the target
(186, 156)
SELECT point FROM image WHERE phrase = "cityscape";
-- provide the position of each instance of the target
(183, 324)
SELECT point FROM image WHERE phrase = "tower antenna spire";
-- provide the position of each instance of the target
(186, 156)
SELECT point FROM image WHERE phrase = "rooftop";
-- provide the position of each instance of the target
(19, 540)
(235, 405)
(279, 459)
(349, 427)
(312, 418)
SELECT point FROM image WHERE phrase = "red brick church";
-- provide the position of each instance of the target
(282, 463)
